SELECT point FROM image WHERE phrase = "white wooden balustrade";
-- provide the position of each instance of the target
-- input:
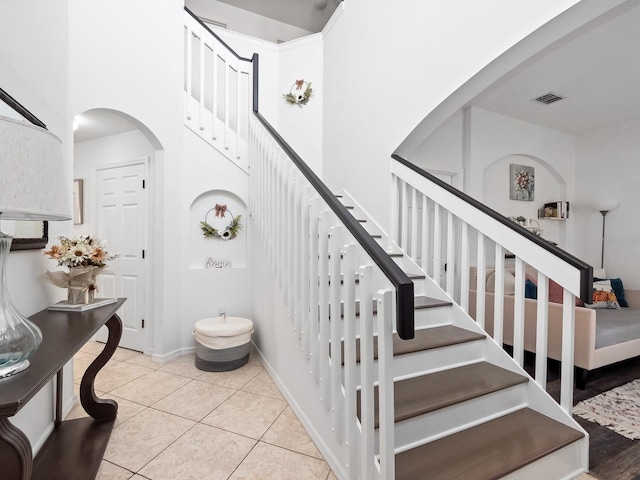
(331, 286)
(460, 235)
(217, 91)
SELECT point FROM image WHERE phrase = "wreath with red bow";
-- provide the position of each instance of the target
(299, 93)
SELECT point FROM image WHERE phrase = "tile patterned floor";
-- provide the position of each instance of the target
(178, 422)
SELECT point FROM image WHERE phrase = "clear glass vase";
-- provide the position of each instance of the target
(19, 338)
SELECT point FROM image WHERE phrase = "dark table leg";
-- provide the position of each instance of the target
(17, 460)
(98, 408)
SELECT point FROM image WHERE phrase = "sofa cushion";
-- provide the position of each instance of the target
(603, 295)
(618, 289)
(509, 282)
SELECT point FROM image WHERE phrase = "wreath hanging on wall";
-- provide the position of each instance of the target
(299, 93)
(227, 233)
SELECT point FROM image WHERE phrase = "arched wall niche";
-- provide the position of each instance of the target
(215, 253)
(550, 186)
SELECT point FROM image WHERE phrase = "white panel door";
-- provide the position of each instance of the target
(121, 218)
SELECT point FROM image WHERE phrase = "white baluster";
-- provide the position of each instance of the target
(350, 368)
(542, 330)
(437, 245)
(386, 407)
(424, 252)
(367, 418)
(464, 266)
(335, 240)
(323, 275)
(498, 306)
(202, 87)
(568, 336)
(451, 257)
(404, 216)
(518, 314)
(314, 300)
(413, 253)
(481, 282)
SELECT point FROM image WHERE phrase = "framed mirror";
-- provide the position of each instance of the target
(27, 235)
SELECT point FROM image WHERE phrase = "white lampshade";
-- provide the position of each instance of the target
(604, 205)
(33, 185)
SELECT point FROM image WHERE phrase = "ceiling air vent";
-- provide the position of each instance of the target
(548, 98)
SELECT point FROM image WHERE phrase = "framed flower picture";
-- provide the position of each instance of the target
(521, 183)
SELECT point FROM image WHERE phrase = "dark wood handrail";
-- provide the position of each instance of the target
(586, 271)
(18, 107)
(400, 280)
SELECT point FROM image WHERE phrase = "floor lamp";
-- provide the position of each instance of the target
(604, 207)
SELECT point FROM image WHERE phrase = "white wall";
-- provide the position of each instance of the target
(34, 70)
(388, 64)
(209, 176)
(128, 56)
(495, 142)
(607, 168)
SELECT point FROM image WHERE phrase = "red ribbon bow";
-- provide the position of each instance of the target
(220, 210)
(299, 84)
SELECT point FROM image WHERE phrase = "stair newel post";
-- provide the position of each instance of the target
(498, 305)
(424, 252)
(303, 268)
(386, 406)
(414, 224)
(437, 244)
(450, 266)
(568, 336)
(367, 414)
(335, 241)
(350, 370)
(518, 313)
(314, 302)
(323, 300)
(542, 331)
(464, 266)
(481, 279)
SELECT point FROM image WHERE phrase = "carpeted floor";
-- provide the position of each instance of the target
(611, 456)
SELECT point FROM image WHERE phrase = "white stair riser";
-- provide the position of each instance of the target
(431, 426)
(561, 462)
(425, 361)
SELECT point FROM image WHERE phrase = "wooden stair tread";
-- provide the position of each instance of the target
(435, 337)
(487, 451)
(427, 393)
(422, 301)
(425, 339)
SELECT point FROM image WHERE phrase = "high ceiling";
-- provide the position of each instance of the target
(597, 73)
(311, 15)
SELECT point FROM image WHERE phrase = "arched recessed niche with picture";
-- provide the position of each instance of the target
(217, 234)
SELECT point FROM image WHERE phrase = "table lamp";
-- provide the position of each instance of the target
(33, 186)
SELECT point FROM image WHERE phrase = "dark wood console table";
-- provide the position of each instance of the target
(75, 447)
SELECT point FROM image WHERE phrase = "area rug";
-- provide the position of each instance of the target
(617, 409)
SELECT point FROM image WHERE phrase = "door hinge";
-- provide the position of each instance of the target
(143, 254)
(143, 323)
(144, 183)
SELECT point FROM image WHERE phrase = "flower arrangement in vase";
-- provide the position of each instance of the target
(85, 257)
